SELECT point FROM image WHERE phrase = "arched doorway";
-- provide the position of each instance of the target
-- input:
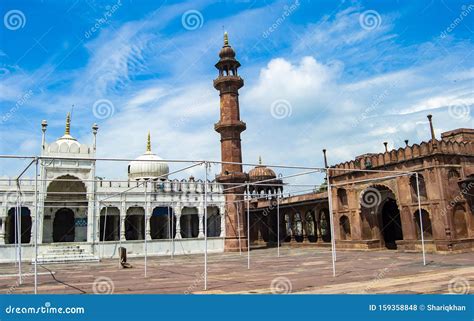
(425, 219)
(189, 222)
(64, 226)
(135, 223)
(391, 224)
(298, 226)
(10, 227)
(65, 193)
(213, 222)
(109, 224)
(160, 223)
(310, 227)
(324, 225)
(345, 228)
(380, 215)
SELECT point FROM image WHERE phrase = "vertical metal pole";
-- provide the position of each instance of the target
(145, 217)
(170, 231)
(248, 227)
(36, 225)
(105, 225)
(333, 247)
(205, 226)
(173, 234)
(238, 225)
(278, 223)
(421, 219)
(18, 233)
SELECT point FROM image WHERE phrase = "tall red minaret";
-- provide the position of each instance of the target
(230, 126)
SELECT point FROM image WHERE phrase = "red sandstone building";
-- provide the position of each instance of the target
(371, 209)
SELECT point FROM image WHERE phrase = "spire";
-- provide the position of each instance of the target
(148, 143)
(260, 160)
(68, 124)
(226, 39)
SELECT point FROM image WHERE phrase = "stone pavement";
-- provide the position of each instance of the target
(298, 270)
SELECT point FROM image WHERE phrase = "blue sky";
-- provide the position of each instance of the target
(341, 75)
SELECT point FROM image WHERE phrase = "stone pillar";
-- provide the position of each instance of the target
(3, 217)
(93, 219)
(235, 214)
(123, 214)
(201, 221)
(147, 226)
(222, 214)
(177, 215)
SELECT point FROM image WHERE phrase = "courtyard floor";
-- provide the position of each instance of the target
(297, 270)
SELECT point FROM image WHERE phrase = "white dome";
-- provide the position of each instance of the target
(148, 166)
(66, 143)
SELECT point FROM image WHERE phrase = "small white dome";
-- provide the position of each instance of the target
(66, 143)
(148, 166)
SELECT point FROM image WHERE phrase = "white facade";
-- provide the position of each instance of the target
(82, 218)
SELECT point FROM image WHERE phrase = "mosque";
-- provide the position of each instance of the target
(81, 218)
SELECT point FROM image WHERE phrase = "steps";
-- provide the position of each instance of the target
(65, 254)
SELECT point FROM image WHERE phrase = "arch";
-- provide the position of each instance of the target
(11, 225)
(345, 228)
(288, 227)
(413, 188)
(324, 227)
(65, 192)
(64, 225)
(189, 222)
(310, 227)
(453, 175)
(135, 223)
(213, 222)
(342, 197)
(298, 227)
(380, 215)
(453, 182)
(110, 221)
(162, 223)
(460, 222)
(426, 221)
(391, 223)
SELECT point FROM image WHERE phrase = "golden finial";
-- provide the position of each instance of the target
(68, 124)
(260, 160)
(148, 143)
(226, 39)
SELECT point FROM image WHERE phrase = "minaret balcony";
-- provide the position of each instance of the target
(230, 81)
(234, 125)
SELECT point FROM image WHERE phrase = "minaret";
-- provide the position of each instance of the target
(229, 127)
